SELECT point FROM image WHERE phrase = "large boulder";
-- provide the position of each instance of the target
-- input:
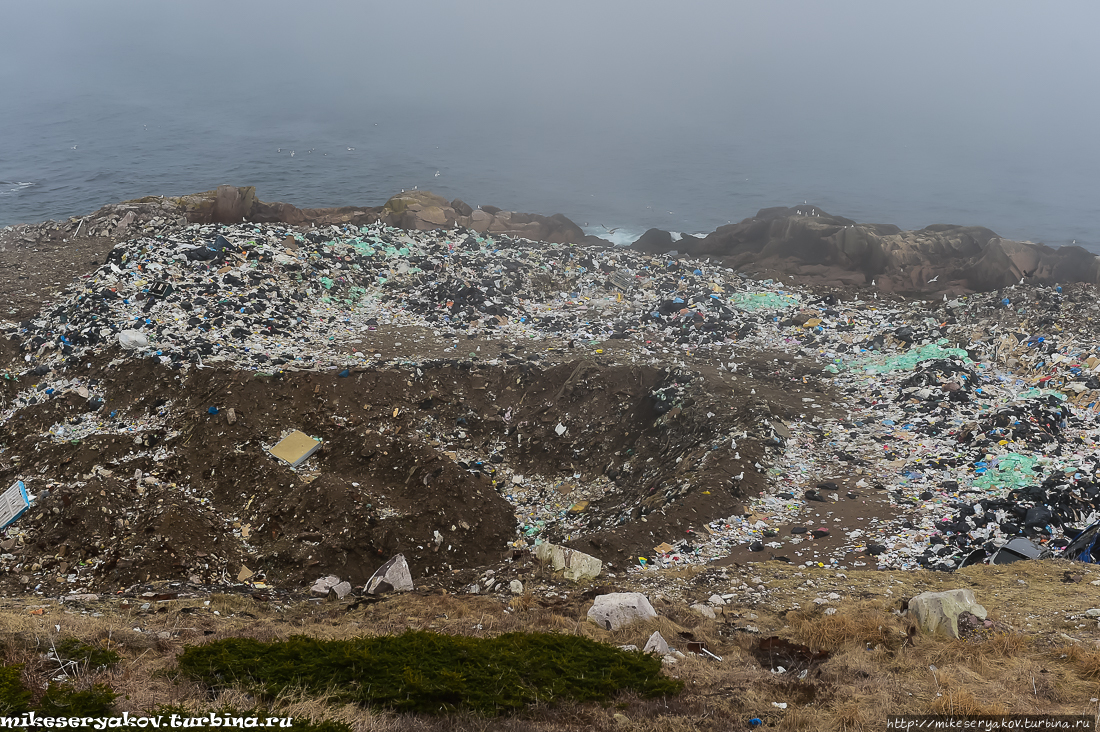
(418, 210)
(423, 210)
(656, 644)
(575, 565)
(618, 609)
(393, 576)
(322, 586)
(938, 612)
(232, 205)
(654, 241)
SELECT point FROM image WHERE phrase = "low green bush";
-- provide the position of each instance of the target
(71, 649)
(431, 673)
(14, 699)
(60, 700)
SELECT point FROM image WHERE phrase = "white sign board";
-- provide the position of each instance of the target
(13, 502)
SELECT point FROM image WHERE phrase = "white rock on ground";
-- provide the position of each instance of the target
(618, 609)
(656, 644)
(323, 585)
(341, 590)
(516, 587)
(575, 565)
(705, 610)
(938, 612)
(393, 576)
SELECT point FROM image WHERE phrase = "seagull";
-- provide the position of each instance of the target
(933, 279)
(280, 149)
(872, 283)
(291, 153)
(739, 476)
(610, 231)
(437, 174)
(350, 149)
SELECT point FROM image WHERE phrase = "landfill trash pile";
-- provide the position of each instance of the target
(462, 395)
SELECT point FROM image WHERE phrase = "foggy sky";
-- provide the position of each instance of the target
(841, 85)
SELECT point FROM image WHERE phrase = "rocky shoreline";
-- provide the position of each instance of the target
(803, 244)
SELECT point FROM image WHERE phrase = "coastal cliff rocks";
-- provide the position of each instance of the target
(231, 204)
(424, 211)
(816, 246)
(411, 210)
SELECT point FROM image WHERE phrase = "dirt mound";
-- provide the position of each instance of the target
(427, 460)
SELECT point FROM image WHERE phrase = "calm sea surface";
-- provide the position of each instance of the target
(68, 156)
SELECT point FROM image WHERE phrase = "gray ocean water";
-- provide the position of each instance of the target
(683, 138)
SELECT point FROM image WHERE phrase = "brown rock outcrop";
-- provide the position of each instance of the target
(815, 246)
(415, 210)
(423, 210)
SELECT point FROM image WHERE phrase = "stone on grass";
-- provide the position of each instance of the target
(656, 644)
(705, 610)
(341, 590)
(86, 597)
(575, 565)
(393, 576)
(322, 586)
(618, 609)
(516, 587)
(938, 612)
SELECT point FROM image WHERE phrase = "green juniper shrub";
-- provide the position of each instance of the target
(432, 673)
(71, 649)
(62, 700)
(59, 699)
(14, 699)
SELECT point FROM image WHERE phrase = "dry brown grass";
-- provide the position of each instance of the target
(876, 667)
(864, 624)
(963, 702)
(1086, 661)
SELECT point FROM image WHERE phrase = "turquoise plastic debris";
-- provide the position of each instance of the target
(762, 300)
(1008, 472)
(1033, 393)
(910, 359)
